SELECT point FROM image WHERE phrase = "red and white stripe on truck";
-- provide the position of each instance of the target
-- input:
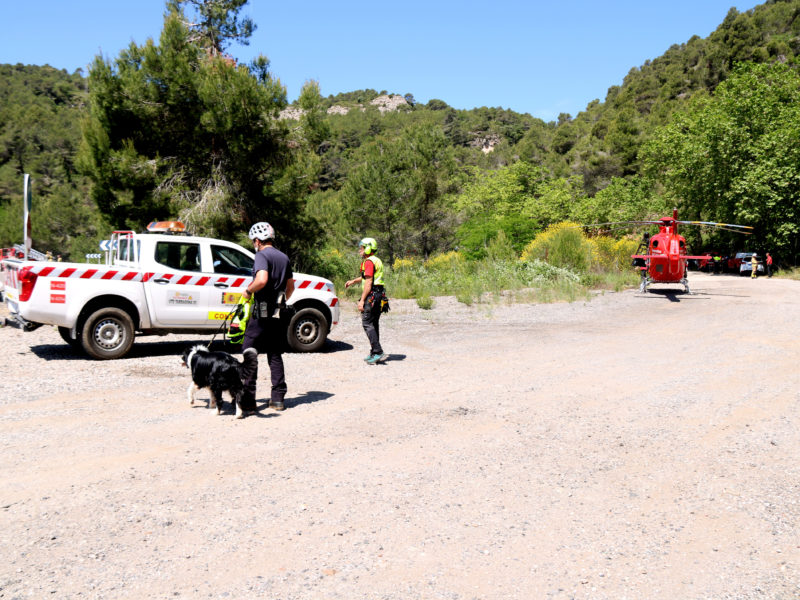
(28, 276)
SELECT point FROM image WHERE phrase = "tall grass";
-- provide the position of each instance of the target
(790, 273)
(482, 280)
(560, 264)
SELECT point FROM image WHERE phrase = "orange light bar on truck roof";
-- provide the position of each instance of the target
(166, 226)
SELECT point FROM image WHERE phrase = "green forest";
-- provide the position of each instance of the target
(176, 129)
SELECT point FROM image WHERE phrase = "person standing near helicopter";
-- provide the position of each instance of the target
(754, 264)
(373, 297)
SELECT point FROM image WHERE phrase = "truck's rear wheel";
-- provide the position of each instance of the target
(64, 333)
(107, 334)
(307, 331)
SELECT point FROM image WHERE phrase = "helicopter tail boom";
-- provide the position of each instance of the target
(706, 256)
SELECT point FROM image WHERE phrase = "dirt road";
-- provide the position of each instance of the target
(635, 446)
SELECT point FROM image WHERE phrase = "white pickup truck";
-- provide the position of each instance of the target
(154, 283)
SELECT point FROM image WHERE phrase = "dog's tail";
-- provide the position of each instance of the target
(249, 360)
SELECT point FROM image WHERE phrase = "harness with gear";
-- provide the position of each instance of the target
(378, 291)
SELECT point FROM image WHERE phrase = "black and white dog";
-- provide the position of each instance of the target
(219, 372)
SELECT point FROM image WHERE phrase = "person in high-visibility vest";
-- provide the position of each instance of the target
(373, 298)
(754, 264)
(717, 263)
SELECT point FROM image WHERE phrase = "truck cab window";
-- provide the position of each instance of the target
(129, 250)
(181, 256)
(230, 261)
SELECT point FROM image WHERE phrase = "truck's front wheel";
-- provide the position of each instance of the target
(107, 334)
(308, 329)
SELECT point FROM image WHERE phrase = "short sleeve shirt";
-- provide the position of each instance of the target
(278, 269)
(368, 268)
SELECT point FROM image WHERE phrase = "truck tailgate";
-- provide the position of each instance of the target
(11, 285)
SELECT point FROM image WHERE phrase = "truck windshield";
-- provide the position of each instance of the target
(230, 261)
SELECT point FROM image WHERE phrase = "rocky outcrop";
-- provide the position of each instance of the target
(389, 103)
(336, 109)
(385, 103)
(485, 142)
(291, 112)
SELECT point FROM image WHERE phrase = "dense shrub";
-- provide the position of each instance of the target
(561, 245)
(609, 254)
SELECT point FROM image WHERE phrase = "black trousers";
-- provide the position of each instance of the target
(265, 335)
(370, 321)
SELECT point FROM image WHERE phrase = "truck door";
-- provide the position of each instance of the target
(233, 271)
(179, 293)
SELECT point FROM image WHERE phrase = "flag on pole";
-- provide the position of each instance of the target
(26, 201)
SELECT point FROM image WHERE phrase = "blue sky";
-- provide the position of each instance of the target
(543, 58)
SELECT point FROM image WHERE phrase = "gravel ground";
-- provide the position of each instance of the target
(634, 446)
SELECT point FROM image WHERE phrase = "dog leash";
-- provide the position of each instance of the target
(229, 316)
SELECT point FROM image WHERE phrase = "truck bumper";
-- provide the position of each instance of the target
(19, 323)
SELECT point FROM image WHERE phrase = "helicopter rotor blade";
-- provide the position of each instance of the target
(712, 224)
(623, 227)
(623, 223)
(735, 231)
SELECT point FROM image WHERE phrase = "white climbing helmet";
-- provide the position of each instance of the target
(261, 231)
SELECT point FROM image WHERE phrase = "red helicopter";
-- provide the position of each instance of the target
(666, 259)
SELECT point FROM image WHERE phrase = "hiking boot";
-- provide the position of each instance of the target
(277, 404)
(377, 358)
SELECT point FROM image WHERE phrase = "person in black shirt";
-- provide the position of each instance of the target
(272, 285)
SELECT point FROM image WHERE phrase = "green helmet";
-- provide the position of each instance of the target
(369, 244)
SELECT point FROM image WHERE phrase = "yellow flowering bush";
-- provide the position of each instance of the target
(403, 263)
(609, 254)
(562, 245)
(446, 260)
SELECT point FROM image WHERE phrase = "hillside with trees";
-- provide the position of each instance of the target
(40, 115)
(176, 129)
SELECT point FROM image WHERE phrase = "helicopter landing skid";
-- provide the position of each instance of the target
(646, 281)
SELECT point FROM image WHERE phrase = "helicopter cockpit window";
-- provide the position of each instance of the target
(655, 243)
(682, 243)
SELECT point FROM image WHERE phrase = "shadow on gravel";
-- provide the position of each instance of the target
(144, 349)
(306, 398)
(139, 350)
(707, 293)
(671, 295)
(230, 411)
(58, 352)
(332, 346)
